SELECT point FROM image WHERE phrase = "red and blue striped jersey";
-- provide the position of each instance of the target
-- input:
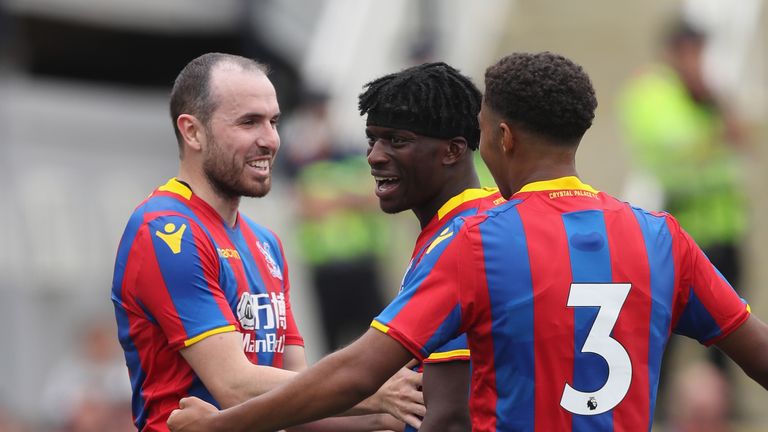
(181, 275)
(468, 203)
(568, 297)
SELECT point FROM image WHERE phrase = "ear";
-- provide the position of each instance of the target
(457, 146)
(507, 137)
(192, 131)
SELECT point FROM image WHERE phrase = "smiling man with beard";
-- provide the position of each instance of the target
(201, 292)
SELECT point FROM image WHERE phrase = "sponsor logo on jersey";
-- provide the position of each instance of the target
(172, 236)
(264, 311)
(228, 253)
(274, 270)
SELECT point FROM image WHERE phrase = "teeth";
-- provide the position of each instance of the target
(263, 164)
(383, 179)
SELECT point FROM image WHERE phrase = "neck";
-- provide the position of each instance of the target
(452, 188)
(551, 167)
(225, 206)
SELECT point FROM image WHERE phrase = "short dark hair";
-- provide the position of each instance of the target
(545, 93)
(432, 99)
(681, 31)
(191, 93)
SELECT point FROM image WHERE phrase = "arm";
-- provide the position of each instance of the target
(446, 394)
(229, 376)
(748, 347)
(296, 361)
(219, 362)
(336, 383)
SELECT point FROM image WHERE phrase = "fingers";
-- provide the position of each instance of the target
(415, 408)
(413, 421)
(173, 421)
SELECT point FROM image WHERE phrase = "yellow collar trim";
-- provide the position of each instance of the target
(177, 187)
(467, 195)
(562, 183)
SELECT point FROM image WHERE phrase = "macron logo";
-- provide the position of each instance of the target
(172, 236)
(443, 235)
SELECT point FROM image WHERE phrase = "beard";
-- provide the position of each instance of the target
(226, 176)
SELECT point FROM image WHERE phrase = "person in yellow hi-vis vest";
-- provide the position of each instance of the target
(684, 138)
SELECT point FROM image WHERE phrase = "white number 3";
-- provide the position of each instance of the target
(609, 298)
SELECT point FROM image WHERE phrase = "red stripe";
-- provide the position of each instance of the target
(171, 375)
(430, 296)
(629, 264)
(481, 347)
(552, 319)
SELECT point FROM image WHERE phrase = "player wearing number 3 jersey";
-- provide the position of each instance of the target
(567, 295)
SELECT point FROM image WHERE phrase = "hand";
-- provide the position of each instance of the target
(193, 415)
(401, 396)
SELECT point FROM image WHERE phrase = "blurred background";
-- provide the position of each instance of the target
(85, 135)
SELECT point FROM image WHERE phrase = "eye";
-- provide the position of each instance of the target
(370, 139)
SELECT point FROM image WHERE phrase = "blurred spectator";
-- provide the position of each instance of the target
(306, 135)
(701, 400)
(681, 135)
(89, 390)
(342, 233)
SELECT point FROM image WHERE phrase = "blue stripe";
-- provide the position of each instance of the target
(590, 263)
(446, 331)
(510, 290)
(696, 322)
(416, 276)
(197, 389)
(135, 371)
(123, 250)
(185, 279)
(658, 245)
(132, 359)
(255, 281)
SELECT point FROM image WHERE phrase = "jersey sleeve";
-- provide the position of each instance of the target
(176, 281)
(454, 350)
(426, 313)
(712, 308)
(292, 334)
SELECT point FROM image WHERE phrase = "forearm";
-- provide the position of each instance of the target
(446, 393)
(255, 382)
(316, 393)
(333, 385)
(748, 347)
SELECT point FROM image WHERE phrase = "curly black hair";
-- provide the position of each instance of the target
(432, 99)
(544, 93)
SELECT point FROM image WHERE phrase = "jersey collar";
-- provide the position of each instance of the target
(175, 186)
(562, 183)
(461, 198)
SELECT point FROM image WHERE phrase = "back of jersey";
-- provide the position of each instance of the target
(581, 292)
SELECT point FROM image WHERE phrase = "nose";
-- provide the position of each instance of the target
(269, 138)
(376, 153)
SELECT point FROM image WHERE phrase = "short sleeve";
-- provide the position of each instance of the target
(713, 309)
(176, 281)
(454, 350)
(426, 314)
